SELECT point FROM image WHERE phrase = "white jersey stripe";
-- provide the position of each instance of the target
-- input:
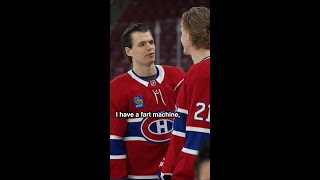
(134, 138)
(197, 129)
(178, 133)
(161, 74)
(190, 151)
(137, 78)
(118, 156)
(116, 137)
(130, 120)
(142, 177)
(184, 111)
(178, 85)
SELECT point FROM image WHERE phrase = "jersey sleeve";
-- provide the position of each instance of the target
(118, 157)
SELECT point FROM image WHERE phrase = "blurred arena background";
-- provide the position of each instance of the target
(163, 18)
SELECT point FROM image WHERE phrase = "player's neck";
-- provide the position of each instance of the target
(199, 54)
(145, 71)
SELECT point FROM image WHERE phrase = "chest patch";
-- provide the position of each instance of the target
(138, 102)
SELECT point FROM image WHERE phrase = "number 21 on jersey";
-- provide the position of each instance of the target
(202, 108)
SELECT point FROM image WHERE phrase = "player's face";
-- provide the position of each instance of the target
(185, 40)
(143, 48)
(204, 171)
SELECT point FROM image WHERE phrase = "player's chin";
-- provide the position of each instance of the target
(151, 60)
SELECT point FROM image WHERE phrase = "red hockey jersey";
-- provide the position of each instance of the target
(139, 141)
(193, 126)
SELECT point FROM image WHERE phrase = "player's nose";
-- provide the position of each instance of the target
(150, 46)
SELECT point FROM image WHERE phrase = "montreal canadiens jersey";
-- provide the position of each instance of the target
(193, 126)
(138, 143)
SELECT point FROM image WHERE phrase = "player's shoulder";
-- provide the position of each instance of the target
(120, 80)
(204, 64)
(200, 69)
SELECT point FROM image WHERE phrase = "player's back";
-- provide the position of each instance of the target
(201, 69)
(198, 78)
(193, 126)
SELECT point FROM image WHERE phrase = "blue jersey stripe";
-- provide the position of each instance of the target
(117, 147)
(194, 139)
(179, 124)
(133, 129)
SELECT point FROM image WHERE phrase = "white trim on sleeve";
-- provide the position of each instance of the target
(190, 151)
(198, 129)
(184, 111)
(134, 138)
(118, 156)
(142, 177)
(116, 137)
(178, 133)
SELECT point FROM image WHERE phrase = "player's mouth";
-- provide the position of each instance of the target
(150, 54)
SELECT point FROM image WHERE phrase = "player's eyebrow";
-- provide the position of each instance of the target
(145, 41)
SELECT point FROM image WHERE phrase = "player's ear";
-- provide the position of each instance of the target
(128, 51)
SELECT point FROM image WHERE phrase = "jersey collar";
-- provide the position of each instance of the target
(159, 76)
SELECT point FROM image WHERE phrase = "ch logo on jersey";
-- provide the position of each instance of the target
(153, 82)
(138, 102)
(157, 130)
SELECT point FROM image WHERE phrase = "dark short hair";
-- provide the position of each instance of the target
(197, 22)
(204, 154)
(126, 38)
